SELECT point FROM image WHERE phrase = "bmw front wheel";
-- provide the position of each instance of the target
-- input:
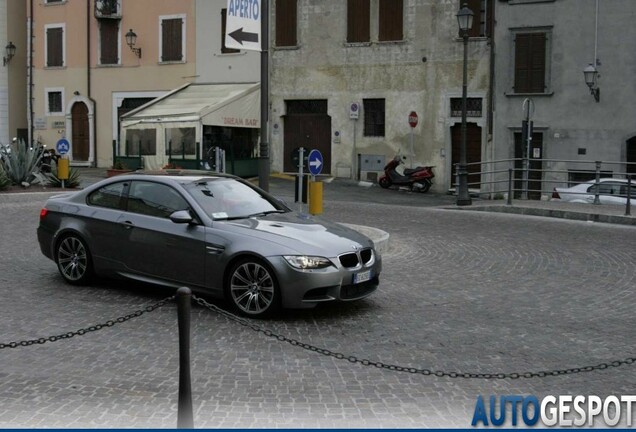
(253, 289)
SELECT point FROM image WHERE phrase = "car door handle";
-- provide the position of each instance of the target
(127, 224)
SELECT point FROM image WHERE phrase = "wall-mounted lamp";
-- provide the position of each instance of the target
(131, 40)
(10, 50)
(591, 79)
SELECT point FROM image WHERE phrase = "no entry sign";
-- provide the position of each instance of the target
(413, 119)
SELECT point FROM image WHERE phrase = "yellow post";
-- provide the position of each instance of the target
(315, 197)
(62, 168)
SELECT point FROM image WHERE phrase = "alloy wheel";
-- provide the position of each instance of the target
(73, 260)
(252, 288)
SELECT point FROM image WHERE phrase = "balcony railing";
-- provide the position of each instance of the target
(108, 9)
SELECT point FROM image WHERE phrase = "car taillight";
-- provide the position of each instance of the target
(555, 194)
(43, 213)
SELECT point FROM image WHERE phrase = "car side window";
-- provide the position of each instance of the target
(605, 188)
(108, 196)
(154, 199)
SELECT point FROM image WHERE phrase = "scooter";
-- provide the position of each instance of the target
(418, 179)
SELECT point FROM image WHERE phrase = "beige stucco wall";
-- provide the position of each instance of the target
(98, 85)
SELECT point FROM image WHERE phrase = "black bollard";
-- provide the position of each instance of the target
(628, 207)
(184, 415)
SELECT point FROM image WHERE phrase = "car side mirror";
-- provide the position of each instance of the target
(181, 217)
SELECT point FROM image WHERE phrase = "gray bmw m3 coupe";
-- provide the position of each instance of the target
(214, 233)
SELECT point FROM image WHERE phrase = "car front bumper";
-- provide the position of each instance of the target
(307, 288)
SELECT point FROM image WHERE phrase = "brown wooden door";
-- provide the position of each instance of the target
(80, 141)
(473, 151)
(311, 131)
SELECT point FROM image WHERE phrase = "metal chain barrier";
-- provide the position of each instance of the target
(427, 372)
(90, 329)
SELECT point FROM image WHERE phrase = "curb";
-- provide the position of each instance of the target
(556, 213)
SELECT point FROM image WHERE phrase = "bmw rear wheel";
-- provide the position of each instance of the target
(253, 289)
(73, 260)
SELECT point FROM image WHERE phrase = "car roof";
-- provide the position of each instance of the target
(180, 176)
(607, 179)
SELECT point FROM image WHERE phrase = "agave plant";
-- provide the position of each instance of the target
(4, 180)
(71, 182)
(20, 162)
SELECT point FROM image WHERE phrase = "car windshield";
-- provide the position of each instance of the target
(226, 198)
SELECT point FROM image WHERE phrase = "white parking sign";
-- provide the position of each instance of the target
(243, 25)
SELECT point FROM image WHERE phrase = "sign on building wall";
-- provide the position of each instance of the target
(39, 123)
(243, 26)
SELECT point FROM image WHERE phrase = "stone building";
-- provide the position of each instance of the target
(542, 48)
(345, 75)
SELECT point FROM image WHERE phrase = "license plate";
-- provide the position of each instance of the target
(361, 277)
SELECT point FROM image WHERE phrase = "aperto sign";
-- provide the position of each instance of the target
(243, 26)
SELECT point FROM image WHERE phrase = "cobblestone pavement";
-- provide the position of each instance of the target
(461, 291)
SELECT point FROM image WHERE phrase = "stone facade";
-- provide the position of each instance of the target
(574, 130)
(421, 73)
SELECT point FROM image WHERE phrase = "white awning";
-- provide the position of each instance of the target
(231, 105)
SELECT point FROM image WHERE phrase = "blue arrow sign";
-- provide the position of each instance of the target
(315, 162)
(62, 146)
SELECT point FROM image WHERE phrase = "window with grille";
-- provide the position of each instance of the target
(391, 19)
(482, 17)
(358, 17)
(473, 107)
(54, 102)
(530, 62)
(172, 38)
(373, 117)
(109, 42)
(286, 22)
(224, 49)
(54, 46)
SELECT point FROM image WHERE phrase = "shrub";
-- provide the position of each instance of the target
(4, 180)
(20, 162)
(119, 165)
(71, 182)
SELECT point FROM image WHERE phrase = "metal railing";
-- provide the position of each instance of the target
(537, 179)
(540, 182)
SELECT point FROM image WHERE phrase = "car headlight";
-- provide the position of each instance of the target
(304, 262)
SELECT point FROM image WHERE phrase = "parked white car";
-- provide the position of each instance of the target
(611, 191)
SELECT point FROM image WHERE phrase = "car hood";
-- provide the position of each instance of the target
(302, 233)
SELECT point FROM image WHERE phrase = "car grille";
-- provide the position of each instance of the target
(357, 259)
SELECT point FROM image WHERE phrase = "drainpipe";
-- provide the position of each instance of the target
(30, 71)
(88, 82)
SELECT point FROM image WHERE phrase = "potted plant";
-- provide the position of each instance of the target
(118, 168)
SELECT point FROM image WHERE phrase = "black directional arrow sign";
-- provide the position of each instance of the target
(240, 36)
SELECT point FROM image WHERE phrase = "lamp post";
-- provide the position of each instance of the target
(465, 21)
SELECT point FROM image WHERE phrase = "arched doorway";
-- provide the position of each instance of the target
(80, 132)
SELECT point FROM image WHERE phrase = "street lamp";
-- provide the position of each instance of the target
(591, 79)
(465, 21)
(10, 50)
(131, 41)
